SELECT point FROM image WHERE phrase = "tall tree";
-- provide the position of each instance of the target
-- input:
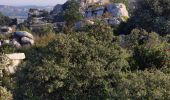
(72, 13)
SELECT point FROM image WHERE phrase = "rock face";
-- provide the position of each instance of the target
(116, 10)
(9, 62)
(57, 9)
(116, 13)
(16, 60)
(19, 39)
(111, 13)
(6, 30)
(24, 37)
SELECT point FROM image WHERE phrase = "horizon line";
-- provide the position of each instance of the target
(29, 5)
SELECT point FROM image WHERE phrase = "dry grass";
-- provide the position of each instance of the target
(44, 40)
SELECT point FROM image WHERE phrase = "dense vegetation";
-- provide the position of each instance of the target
(4, 20)
(96, 63)
(152, 15)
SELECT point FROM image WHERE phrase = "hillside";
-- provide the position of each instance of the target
(88, 50)
(21, 11)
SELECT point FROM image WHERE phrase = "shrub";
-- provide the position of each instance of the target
(141, 85)
(148, 50)
(151, 15)
(73, 66)
(7, 49)
(4, 94)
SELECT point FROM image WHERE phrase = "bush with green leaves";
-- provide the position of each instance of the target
(148, 50)
(73, 66)
(7, 49)
(4, 94)
(43, 31)
(151, 15)
(71, 13)
(4, 20)
(141, 85)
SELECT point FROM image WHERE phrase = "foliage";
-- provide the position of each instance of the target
(4, 20)
(44, 40)
(140, 37)
(100, 31)
(72, 66)
(4, 94)
(71, 13)
(42, 31)
(154, 57)
(148, 50)
(94, 64)
(7, 49)
(4, 61)
(141, 85)
(24, 28)
(152, 15)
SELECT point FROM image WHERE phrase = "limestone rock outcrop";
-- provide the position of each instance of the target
(19, 39)
(111, 13)
(9, 62)
(115, 10)
(24, 38)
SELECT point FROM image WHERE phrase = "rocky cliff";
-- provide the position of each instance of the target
(111, 13)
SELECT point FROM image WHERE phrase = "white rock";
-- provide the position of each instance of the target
(118, 10)
(12, 68)
(90, 22)
(16, 43)
(26, 40)
(16, 60)
(16, 56)
(6, 41)
(113, 21)
(24, 34)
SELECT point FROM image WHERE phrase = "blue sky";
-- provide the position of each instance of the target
(31, 2)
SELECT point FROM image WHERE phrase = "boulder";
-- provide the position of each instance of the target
(118, 10)
(26, 40)
(23, 34)
(114, 21)
(6, 42)
(99, 11)
(16, 56)
(16, 43)
(16, 60)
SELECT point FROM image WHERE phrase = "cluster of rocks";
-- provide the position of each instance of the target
(109, 12)
(19, 39)
(37, 16)
(37, 19)
(112, 14)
